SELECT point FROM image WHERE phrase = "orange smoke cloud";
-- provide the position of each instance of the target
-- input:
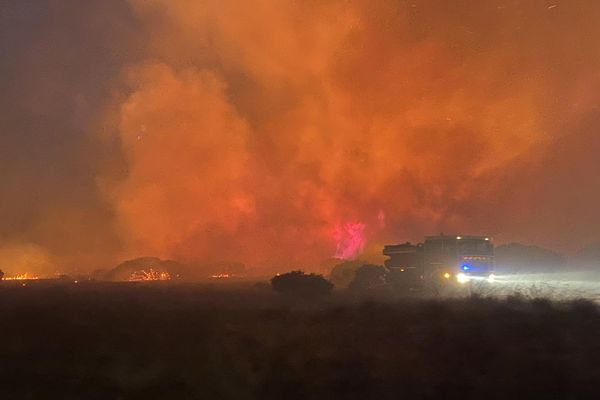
(188, 160)
(278, 133)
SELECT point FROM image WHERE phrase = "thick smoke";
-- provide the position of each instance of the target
(281, 133)
(57, 61)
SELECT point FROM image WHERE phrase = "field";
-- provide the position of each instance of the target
(183, 341)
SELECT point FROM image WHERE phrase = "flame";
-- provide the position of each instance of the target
(221, 276)
(149, 275)
(350, 240)
(21, 277)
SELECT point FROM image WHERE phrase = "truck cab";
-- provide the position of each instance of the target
(459, 258)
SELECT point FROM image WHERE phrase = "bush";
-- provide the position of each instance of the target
(343, 273)
(368, 276)
(297, 282)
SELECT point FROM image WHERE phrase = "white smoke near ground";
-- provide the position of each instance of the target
(558, 286)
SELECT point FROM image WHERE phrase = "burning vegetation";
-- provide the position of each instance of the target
(221, 276)
(21, 277)
(149, 275)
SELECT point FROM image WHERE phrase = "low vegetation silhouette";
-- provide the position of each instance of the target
(181, 341)
(342, 274)
(300, 283)
(368, 277)
(126, 269)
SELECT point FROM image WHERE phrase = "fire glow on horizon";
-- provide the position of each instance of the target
(150, 274)
(21, 277)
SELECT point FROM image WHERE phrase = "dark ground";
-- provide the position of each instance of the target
(164, 341)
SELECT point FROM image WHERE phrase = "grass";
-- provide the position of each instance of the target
(165, 341)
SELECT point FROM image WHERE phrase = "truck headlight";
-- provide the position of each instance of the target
(492, 278)
(462, 278)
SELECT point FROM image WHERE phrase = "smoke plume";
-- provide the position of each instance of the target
(281, 133)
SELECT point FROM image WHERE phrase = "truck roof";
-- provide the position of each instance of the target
(457, 237)
(400, 248)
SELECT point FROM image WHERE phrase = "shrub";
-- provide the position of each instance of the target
(368, 276)
(343, 273)
(297, 282)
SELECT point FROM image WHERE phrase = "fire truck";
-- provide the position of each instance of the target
(441, 260)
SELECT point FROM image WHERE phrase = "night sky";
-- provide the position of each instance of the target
(282, 133)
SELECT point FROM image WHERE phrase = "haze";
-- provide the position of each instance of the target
(283, 133)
